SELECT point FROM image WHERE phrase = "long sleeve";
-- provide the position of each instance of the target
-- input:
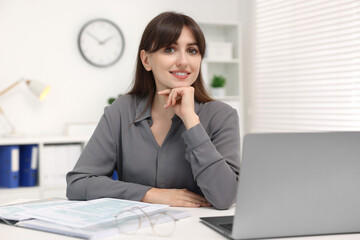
(215, 156)
(90, 178)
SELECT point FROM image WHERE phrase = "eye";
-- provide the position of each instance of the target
(169, 50)
(193, 51)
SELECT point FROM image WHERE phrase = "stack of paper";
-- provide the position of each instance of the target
(85, 219)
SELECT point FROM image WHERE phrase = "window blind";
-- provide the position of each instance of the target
(305, 66)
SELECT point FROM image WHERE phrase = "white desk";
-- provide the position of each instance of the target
(186, 229)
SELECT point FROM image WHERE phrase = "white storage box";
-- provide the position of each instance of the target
(219, 50)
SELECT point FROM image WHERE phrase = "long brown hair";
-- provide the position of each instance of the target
(162, 31)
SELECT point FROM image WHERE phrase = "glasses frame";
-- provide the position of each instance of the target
(151, 218)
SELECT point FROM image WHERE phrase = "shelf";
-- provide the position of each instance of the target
(40, 139)
(224, 57)
(56, 156)
(18, 189)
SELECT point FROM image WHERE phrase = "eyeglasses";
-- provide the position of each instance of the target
(131, 220)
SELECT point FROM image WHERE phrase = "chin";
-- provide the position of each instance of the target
(182, 84)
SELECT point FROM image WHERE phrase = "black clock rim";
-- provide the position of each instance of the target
(122, 42)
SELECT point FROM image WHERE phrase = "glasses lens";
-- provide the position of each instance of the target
(128, 222)
(163, 224)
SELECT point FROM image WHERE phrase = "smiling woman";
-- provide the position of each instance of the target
(177, 65)
(168, 140)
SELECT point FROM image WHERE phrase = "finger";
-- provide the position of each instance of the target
(169, 100)
(179, 96)
(205, 204)
(191, 204)
(194, 201)
(174, 97)
(190, 198)
(202, 202)
(194, 195)
(198, 198)
(165, 93)
(184, 203)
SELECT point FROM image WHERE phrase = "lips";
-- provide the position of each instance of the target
(180, 74)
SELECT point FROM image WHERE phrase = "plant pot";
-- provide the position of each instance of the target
(218, 92)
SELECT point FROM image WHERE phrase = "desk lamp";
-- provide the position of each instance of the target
(39, 89)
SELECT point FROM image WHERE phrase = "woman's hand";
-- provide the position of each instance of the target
(175, 198)
(181, 100)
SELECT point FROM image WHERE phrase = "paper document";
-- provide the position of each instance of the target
(16, 212)
(87, 213)
(87, 219)
(97, 231)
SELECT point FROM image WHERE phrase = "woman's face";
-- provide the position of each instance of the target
(177, 65)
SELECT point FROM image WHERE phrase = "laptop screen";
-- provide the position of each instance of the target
(296, 184)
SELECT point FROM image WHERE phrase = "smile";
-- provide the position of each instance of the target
(181, 75)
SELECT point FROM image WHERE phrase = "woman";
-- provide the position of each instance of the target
(168, 140)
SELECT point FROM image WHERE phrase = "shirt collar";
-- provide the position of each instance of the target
(146, 113)
(140, 110)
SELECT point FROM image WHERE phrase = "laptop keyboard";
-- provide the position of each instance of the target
(227, 226)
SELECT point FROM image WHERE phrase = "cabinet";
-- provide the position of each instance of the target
(59, 153)
(225, 37)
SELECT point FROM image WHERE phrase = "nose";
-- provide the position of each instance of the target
(181, 59)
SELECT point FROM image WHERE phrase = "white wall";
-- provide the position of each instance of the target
(38, 40)
(245, 10)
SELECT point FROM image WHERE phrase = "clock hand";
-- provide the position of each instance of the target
(106, 39)
(94, 37)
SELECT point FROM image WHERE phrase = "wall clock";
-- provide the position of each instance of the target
(101, 42)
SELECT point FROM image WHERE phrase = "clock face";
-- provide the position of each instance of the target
(101, 42)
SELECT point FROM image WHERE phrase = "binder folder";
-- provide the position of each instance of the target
(9, 166)
(28, 165)
(115, 175)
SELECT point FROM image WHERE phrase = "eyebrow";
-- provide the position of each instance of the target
(189, 44)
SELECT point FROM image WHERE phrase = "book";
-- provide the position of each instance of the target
(28, 165)
(93, 219)
(9, 166)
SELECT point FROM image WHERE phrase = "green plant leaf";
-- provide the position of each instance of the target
(218, 81)
(111, 100)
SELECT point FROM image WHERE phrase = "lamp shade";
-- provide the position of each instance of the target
(39, 89)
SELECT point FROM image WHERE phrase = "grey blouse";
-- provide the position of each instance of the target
(204, 159)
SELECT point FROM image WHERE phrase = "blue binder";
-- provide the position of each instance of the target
(9, 166)
(28, 165)
(115, 175)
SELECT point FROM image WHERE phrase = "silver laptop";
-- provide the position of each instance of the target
(296, 184)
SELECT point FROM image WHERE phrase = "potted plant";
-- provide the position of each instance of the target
(112, 99)
(218, 86)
